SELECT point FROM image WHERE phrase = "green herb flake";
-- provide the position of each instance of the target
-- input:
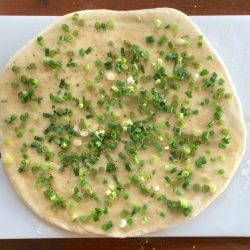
(128, 166)
(200, 162)
(52, 64)
(130, 221)
(150, 39)
(188, 210)
(14, 85)
(106, 226)
(40, 40)
(24, 117)
(104, 26)
(88, 50)
(196, 187)
(209, 57)
(55, 98)
(81, 22)
(204, 72)
(81, 52)
(111, 168)
(16, 69)
(122, 155)
(221, 81)
(162, 214)
(71, 63)
(200, 41)
(205, 188)
(65, 27)
(69, 38)
(175, 27)
(75, 17)
(10, 119)
(221, 171)
(98, 63)
(31, 66)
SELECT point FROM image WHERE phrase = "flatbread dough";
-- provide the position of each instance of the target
(143, 196)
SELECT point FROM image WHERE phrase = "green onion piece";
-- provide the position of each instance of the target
(98, 63)
(65, 27)
(55, 99)
(70, 63)
(221, 171)
(111, 168)
(128, 166)
(19, 134)
(170, 45)
(184, 203)
(86, 67)
(204, 72)
(122, 155)
(16, 69)
(175, 27)
(188, 210)
(31, 66)
(222, 158)
(110, 43)
(189, 93)
(228, 96)
(130, 222)
(209, 57)
(52, 64)
(162, 214)
(161, 52)
(196, 187)
(200, 41)
(70, 53)
(8, 159)
(150, 39)
(11, 119)
(127, 43)
(200, 162)
(212, 188)
(110, 24)
(205, 189)
(75, 17)
(40, 40)
(69, 38)
(84, 218)
(81, 52)
(98, 25)
(81, 22)
(24, 117)
(108, 225)
(88, 50)
(75, 32)
(157, 23)
(221, 81)
(14, 85)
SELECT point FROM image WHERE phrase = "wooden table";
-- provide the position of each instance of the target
(190, 7)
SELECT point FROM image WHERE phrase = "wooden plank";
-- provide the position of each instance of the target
(190, 7)
(130, 243)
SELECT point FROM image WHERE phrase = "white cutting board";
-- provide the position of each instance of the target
(228, 215)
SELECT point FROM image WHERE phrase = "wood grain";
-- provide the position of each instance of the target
(130, 243)
(190, 7)
(60, 7)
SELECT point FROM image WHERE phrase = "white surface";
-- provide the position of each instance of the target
(228, 215)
